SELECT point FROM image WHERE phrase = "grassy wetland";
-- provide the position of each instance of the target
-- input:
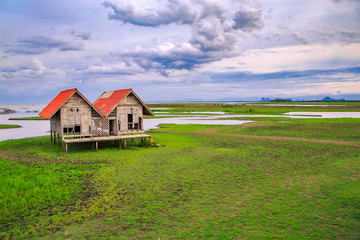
(273, 178)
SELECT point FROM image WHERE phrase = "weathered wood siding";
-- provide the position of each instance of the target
(55, 122)
(76, 112)
(129, 105)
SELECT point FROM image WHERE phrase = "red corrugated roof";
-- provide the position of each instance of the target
(108, 100)
(56, 103)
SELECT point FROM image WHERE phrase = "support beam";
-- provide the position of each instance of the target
(149, 141)
(96, 145)
(54, 137)
(58, 138)
(66, 148)
(124, 143)
(51, 137)
(119, 143)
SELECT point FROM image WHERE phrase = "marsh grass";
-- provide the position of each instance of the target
(196, 187)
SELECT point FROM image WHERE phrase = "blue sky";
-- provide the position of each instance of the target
(178, 50)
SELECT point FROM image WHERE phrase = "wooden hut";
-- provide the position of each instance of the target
(123, 110)
(113, 114)
(71, 113)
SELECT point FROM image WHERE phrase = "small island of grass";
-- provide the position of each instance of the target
(4, 126)
(28, 118)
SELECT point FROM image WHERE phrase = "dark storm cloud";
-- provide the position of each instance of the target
(248, 20)
(174, 11)
(41, 44)
(168, 57)
(212, 35)
(215, 32)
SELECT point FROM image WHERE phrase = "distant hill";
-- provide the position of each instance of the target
(329, 99)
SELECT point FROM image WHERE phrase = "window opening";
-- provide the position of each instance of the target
(77, 129)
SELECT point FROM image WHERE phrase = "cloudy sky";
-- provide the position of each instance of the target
(176, 50)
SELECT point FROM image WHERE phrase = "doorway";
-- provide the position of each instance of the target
(130, 121)
(112, 127)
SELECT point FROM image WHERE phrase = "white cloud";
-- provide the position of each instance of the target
(86, 43)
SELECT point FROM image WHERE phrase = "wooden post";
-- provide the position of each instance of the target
(51, 138)
(63, 146)
(150, 141)
(54, 137)
(96, 146)
(119, 143)
(66, 148)
(58, 137)
(124, 143)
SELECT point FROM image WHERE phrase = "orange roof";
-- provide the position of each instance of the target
(59, 100)
(56, 103)
(109, 100)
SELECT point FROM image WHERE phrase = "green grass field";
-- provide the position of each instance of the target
(330, 129)
(206, 183)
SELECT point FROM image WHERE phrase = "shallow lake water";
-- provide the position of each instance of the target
(35, 128)
(324, 114)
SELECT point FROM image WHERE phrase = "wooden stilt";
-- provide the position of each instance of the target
(124, 143)
(66, 148)
(119, 144)
(54, 137)
(51, 137)
(96, 146)
(149, 141)
(58, 138)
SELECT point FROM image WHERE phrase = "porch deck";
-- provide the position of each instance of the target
(120, 140)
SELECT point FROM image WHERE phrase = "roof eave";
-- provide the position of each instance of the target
(62, 104)
(82, 96)
(144, 105)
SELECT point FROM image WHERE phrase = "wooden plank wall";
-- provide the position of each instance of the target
(76, 111)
